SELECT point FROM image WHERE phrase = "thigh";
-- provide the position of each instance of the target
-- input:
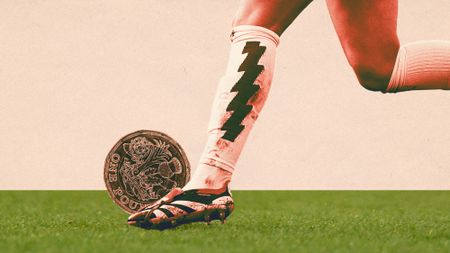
(276, 15)
(367, 30)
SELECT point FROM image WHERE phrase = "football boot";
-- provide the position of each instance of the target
(180, 207)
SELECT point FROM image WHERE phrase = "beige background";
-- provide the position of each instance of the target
(77, 75)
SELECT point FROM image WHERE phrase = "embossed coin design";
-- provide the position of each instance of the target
(143, 167)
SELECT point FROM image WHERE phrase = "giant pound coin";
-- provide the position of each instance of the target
(143, 167)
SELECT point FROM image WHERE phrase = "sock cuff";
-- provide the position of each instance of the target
(248, 32)
(421, 65)
(399, 72)
(423, 55)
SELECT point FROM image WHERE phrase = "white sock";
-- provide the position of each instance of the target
(421, 65)
(239, 99)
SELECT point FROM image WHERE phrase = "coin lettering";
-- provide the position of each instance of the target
(143, 167)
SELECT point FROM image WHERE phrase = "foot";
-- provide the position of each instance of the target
(181, 207)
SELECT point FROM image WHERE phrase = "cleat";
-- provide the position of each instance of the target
(207, 219)
(222, 215)
(181, 207)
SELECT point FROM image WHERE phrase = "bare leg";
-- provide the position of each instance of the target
(275, 15)
(367, 31)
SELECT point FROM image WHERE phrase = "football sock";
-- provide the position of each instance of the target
(422, 65)
(239, 99)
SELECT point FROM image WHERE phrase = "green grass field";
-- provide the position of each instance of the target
(263, 221)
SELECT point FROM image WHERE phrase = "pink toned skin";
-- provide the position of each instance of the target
(367, 31)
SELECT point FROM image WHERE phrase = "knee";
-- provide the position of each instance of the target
(372, 78)
(373, 63)
(374, 70)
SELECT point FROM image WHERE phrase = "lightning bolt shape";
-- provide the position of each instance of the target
(245, 88)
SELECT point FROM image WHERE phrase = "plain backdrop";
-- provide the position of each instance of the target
(75, 76)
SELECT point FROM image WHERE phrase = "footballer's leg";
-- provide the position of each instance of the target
(243, 89)
(240, 96)
(367, 31)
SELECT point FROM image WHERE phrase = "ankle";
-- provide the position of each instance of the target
(207, 177)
